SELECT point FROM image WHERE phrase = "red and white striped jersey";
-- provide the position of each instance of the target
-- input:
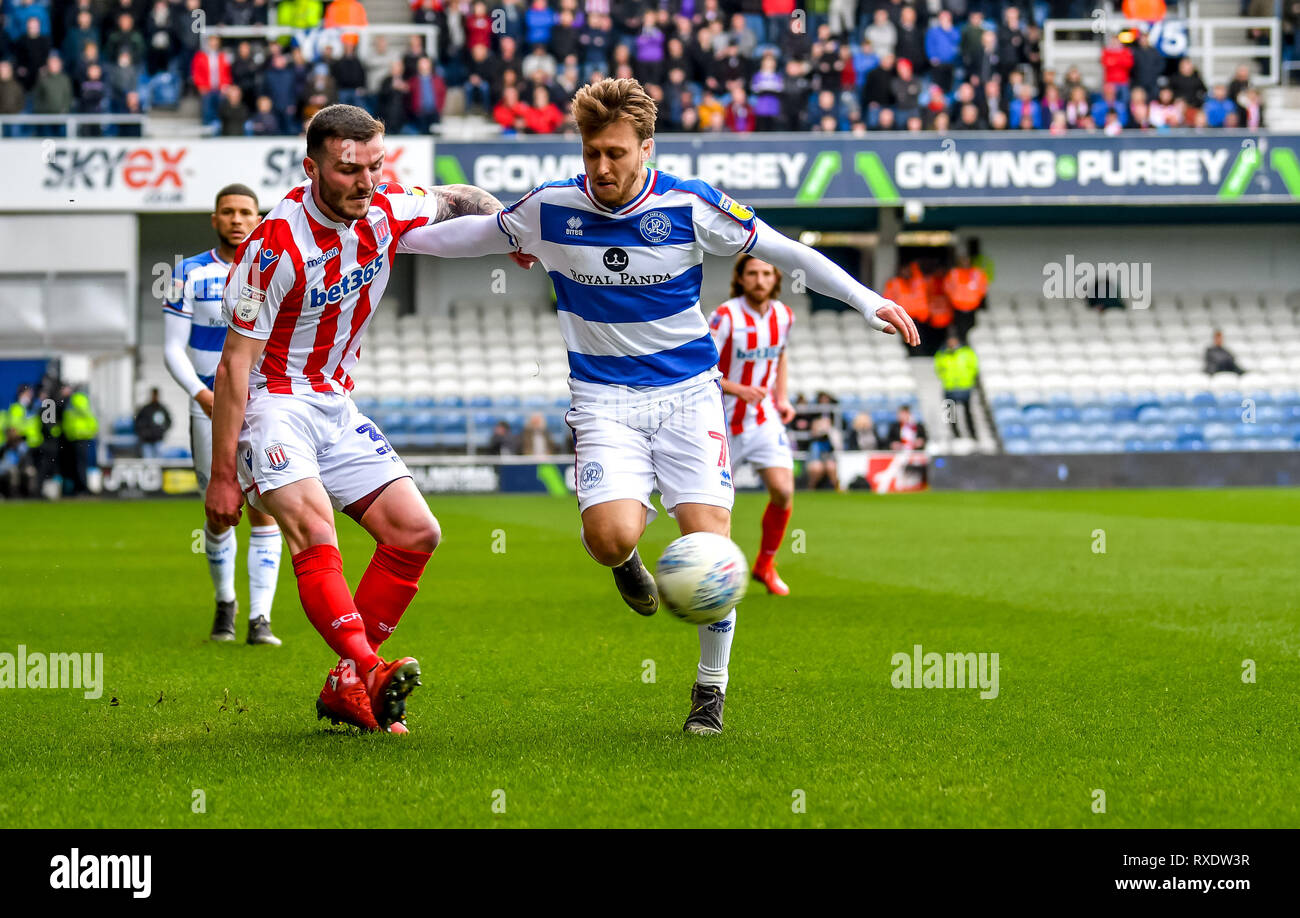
(308, 286)
(749, 349)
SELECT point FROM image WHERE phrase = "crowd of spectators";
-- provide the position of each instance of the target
(713, 65)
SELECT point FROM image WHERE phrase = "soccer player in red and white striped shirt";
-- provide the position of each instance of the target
(750, 331)
(299, 296)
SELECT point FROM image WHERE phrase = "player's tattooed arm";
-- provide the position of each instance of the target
(461, 200)
(470, 200)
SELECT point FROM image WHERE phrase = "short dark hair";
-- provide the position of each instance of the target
(346, 122)
(235, 188)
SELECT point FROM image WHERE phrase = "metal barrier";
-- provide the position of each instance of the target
(313, 40)
(1204, 42)
(70, 122)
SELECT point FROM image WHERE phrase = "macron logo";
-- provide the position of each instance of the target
(574, 225)
(104, 871)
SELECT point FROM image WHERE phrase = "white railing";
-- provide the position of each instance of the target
(312, 40)
(1206, 43)
(72, 120)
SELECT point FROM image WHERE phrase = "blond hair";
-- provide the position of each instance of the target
(598, 105)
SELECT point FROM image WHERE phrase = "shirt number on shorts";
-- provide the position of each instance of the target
(722, 455)
(377, 437)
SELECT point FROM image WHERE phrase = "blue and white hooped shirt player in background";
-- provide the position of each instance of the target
(624, 245)
(194, 332)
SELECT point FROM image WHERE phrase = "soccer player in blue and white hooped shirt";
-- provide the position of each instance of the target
(194, 333)
(624, 245)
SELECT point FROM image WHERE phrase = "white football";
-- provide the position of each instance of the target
(701, 577)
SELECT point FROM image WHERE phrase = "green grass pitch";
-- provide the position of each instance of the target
(1120, 671)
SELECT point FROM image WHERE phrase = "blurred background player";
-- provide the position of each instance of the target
(286, 432)
(624, 246)
(750, 331)
(193, 335)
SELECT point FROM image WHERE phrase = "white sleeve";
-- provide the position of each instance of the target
(176, 336)
(818, 272)
(461, 237)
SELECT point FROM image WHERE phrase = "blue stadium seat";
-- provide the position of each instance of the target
(124, 426)
(1066, 413)
(1122, 412)
(1037, 414)
(1183, 431)
(1015, 432)
(423, 422)
(1204, 400)
(1108, 446)
(1004, 400)
(480, 401)
(1006, 416)
(1135, 445)
(1180, 414)
(1048, 446)
(1042, 431)
(1220, 445)
(1279, 443)
(1191, 444)
(506, 401)
(1151, 414)
(1017, 447)
(452, 424)
(423, 401)
(175, 452)
(366, 405)
(535, 401)
(392, 401)
(1094, 412)
(1174, 400)
(393, 422)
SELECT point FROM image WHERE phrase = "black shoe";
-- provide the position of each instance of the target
(706, 710)
(636, 586)
(223, 626)
(259, 632)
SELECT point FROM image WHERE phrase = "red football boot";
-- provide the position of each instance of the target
(389, 684)
(771, 579)
(344, 699)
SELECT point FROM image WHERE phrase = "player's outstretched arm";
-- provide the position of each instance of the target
(828, 278)
(230, 394)
(466, 200)
(465, 237)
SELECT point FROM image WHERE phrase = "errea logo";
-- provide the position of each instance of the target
(574, 225)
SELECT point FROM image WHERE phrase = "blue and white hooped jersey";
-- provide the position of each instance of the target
(197, 287)
(627, 279)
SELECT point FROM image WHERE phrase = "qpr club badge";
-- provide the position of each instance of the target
(655, 226)
(276, 456)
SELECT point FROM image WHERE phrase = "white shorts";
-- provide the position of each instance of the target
(765, 446)
(201, 450)
(630, 443)
(288, 438)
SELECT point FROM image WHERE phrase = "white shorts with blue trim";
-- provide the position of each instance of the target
(288, 438)
(630, 442)
(764, 446)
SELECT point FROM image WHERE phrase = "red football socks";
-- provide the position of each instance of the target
(328, 603)
(774, 522)
(387, 588)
